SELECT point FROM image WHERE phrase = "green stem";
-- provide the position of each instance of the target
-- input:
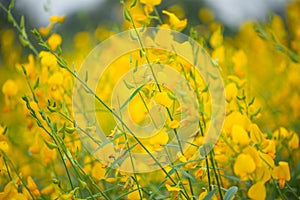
(8, 173)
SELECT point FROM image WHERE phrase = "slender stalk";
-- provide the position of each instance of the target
(7, 169)
(212, 160)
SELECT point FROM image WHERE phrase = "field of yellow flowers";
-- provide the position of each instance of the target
(201, 115)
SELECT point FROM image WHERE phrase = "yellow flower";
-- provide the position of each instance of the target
(46, 30)
(219, 54)
(162, 98)
(216, 39)
(172, 188)
(138, 111)
(48, 190)
(294, 141)
(240, 61)
(150, 4)
(135, 194)
(282, 173)
(47, 59)
(10, 88)
(239, 135)
(231, 91)
(98, 171)
(54, 41)
(175, 23)
(203, 195)
(257, 191)
(244, 165)
(56, 79)
(159, 139)
(30, 66)
(256, 135)
(236, 118)
(57, 19)
(270, 148)
(4, 146)
(32, 187)
(174, 124)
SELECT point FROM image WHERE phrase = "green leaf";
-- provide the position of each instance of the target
(241, 98)
(251, 101)
(50, 145)
(256, 112)
(36, 83)
(279, 47)
(261, 32)
(82, 183)
(131, 97)
(186, 174)
(133, 36)
(22, 23)
(10, 17)
(129, 85)
(11, 5)
(4, 131)
(230, 193)
(86, 77)
(171, 96)
(23, 41)
(293, 56)
(69, 130)
(210, 194)
(126, 15)
(133, 3)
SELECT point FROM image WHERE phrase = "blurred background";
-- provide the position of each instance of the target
(230, 12)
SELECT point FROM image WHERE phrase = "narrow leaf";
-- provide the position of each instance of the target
(210, 194)
(230, 193)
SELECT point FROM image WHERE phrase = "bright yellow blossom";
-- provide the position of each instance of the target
(162, 98)
(219, 54)
(160, 138)
(172, 188)
(57, 19)
(47, 59)
(4, 146)
(56, 79)
(294, 141)
(175, 23)
(217, 38)
(54, 41)
(137, 194)
(240, 61)
(256, 135)
(231, 91)
(244, 165)
(239, 135)
(10, 88)
(282, 173)
(149, 4)
(32, 186)
(257, 191)
(174, 124)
